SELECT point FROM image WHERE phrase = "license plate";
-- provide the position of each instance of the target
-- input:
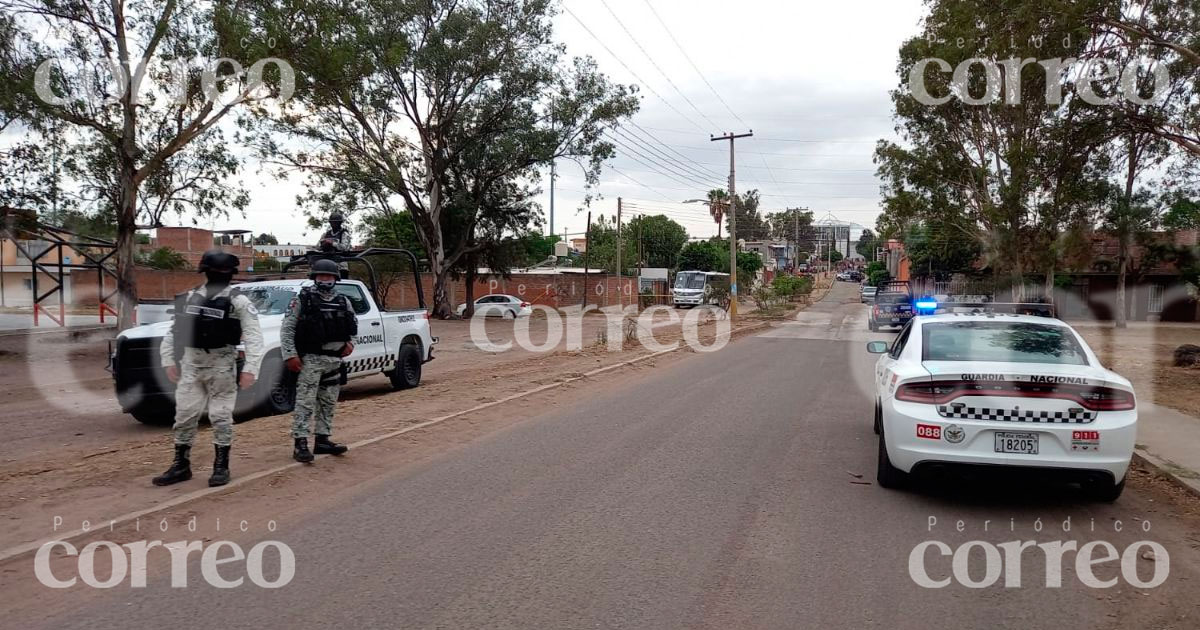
(1024, 443)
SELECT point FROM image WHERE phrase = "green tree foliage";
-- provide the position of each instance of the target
(445, 109)
(166, 259)
(933, 251)
(750, 223)
(867, 244)
(792, 225)
(703, 256)
(138, 154)
(266, 239)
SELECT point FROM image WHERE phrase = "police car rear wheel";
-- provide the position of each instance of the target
(408, 368)
(1103, 491)
(886, 474)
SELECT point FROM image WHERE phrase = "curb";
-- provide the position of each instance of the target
(1165, 469)
(19, 550)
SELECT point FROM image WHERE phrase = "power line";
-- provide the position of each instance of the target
(672, 172)
(682, 166)
(656, 66)
(655, 191)
(693, 64)
(668, 147)
(630, 70)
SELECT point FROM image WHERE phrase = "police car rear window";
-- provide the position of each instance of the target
(1013, 342)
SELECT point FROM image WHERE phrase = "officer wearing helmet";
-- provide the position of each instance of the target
(318, 331)
(201, 356)
(336, 240)
(337, 237)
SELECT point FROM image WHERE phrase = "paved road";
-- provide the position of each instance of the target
(722, 492)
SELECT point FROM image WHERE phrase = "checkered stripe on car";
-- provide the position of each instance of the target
(1070, 416)
(371, 364)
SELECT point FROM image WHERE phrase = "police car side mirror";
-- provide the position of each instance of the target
(877, 347)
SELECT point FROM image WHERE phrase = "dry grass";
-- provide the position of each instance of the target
(1142, 353)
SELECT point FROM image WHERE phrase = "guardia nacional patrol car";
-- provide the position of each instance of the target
(989, 389)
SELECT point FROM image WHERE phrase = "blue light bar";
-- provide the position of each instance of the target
(926, 305)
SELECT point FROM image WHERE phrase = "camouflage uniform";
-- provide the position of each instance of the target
(319, 381)
(208, 378)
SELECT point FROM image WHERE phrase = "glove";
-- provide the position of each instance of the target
(294, 364)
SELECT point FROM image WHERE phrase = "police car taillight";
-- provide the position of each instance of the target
(1106, 399)
(925, 392)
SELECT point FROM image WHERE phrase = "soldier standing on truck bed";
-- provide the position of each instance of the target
(336, 240)
(317, 332)
(201, 355)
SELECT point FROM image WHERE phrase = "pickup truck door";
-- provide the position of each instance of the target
(370, 350)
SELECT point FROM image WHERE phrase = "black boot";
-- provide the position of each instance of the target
(180, 470)
(220, 473)
(301, 452)
(326, 446)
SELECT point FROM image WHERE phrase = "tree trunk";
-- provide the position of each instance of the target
(127, 296)
(1122, 267)
(441, 300)
(470, 297)
(1049, 288)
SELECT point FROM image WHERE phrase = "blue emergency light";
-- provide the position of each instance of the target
(925, 306)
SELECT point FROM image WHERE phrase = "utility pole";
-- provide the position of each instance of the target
(552, 175)
(733, 292)
(620, 293)
(587, 248)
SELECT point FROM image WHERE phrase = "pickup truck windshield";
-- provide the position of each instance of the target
(1000, 341)
(270, 300)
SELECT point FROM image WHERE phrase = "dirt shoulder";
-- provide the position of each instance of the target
(1143, 354)
(76, 470)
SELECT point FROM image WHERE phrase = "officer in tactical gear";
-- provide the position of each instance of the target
(201, 356)
(317, 332)
(336, 240)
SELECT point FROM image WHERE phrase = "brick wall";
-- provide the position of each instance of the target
(554, 290)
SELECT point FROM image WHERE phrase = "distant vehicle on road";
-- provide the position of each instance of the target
(991, 389)
(499, 305)
(693, 288)
(890, 308)
(866, 294)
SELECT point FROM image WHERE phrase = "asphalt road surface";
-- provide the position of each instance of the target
(727, 490)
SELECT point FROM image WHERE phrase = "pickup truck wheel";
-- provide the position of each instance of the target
(407, 374)
(281, 397)
(154, 415)
(872, 326)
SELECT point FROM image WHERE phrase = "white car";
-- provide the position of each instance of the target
(499, 305)
(992, 390)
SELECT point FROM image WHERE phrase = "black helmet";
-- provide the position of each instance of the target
(324, 266)
(336, 217)
(218, 260)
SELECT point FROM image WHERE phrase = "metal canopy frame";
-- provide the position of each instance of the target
(17, 224)
(307, 259)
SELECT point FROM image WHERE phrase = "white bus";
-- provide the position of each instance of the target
(693, 288)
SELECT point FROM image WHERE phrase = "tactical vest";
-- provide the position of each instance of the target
(206, 323)
(323, 321)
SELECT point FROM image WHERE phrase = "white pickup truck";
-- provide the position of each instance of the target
(394, 343)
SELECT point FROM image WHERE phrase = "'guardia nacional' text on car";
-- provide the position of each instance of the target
(996, 390)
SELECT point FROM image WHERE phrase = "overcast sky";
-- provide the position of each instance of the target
(810, 78)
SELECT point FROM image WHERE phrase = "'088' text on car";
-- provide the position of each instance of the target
(1001, 390)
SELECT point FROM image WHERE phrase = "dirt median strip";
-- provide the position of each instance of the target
(241, 481)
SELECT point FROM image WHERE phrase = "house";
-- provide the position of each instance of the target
(775, 254)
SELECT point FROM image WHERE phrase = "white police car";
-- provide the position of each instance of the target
(992, 389)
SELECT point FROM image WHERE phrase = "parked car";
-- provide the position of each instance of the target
(1000, 392)
(866, 294)
(499, 305)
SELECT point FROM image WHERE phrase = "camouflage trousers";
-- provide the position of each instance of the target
(208, 385)
(317, 389)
